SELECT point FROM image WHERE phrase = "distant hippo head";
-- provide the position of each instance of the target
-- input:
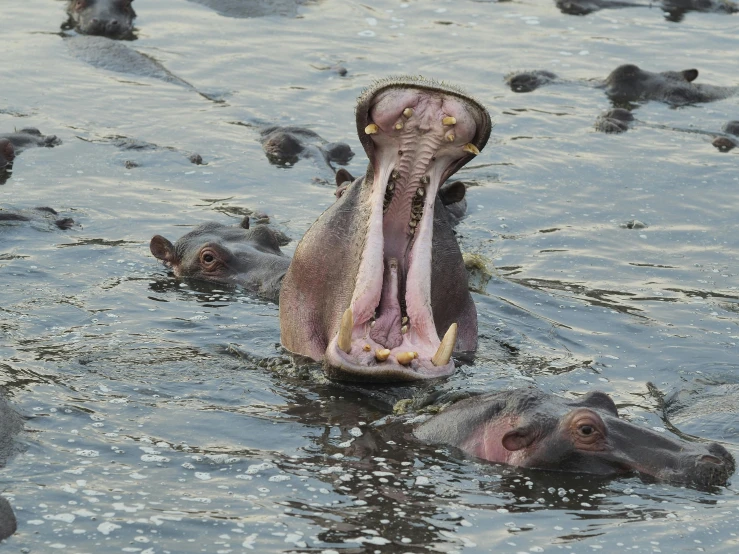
(379, 279)
(232, 255)
(110, 18)
(529, 428)
(630, 83)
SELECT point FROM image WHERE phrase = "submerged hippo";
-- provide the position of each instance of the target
(28, 138)
(11, 424)
(109, 18)
(730, 139)
(529, 428)
(379, 277)
(630, 83)
(44, 215)
(286, 145)
(228, 254)
(7, 155)
(674, 9)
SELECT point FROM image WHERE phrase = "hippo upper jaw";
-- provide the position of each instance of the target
(416, 133)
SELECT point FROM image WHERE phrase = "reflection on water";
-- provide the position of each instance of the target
(163, 415)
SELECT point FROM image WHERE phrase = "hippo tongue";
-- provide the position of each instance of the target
(416, 137)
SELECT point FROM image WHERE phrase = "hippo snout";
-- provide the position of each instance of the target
(709, 469)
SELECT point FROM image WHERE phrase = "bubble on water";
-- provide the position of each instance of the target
(88, 453)
(203, 476)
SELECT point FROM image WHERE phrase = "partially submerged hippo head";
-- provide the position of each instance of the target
(630, 83)
(109, 18)
(529, 428)
(379, 278)
(228, 254)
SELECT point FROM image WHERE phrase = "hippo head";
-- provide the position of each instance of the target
(529, 428)
(7, 153)
(379, 279)
(232, 255)
(110, 18)
(630, 83)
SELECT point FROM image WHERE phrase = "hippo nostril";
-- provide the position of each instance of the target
(707, 459)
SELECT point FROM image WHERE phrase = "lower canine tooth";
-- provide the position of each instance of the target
(449, 120)
(471, 148)
(408, 112)
(382, 354)
(404, 358)
(444, 353)
(345, 331)
(371, 129)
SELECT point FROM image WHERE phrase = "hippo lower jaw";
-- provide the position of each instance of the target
(416, 138)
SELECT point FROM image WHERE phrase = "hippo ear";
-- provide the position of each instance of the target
(690, 74)
(162, 249)
(244, 222)
(518, 439)
(452, 193)
(342, 176)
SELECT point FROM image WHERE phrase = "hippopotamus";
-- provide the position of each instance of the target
(674, 9)
(620, 120)
(228, 254)
(109, 18)
(530, 428)
(11, 424)
(379, 277)
(104, 53)
(28, 138)
(254, 8)
(40, 215)
(731, 138)
(629, 83)
(284, 146)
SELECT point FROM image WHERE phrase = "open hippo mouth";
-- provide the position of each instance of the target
(417, 133)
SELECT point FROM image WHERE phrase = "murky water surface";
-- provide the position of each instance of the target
(163, 416)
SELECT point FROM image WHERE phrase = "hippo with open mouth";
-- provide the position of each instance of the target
(529, 428)
(379, 277)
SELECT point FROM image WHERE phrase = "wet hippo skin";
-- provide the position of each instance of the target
(731, 139)
(630, 83)
(529, 428)
(229, 254)
(109, 18)
(379, 277)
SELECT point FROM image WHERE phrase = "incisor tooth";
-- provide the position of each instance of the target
(404, 329)
(450, 137)
(444, 353)
(471, 148)
(345, 331)
(404, 358)
(449, 120)
(408, 112)
(366, 348)
(382, 354)
(398, 126)
(371, 129)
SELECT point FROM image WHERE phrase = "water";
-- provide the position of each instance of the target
(163, 416)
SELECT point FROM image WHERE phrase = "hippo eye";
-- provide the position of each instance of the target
(209, 259)
(586, 430)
